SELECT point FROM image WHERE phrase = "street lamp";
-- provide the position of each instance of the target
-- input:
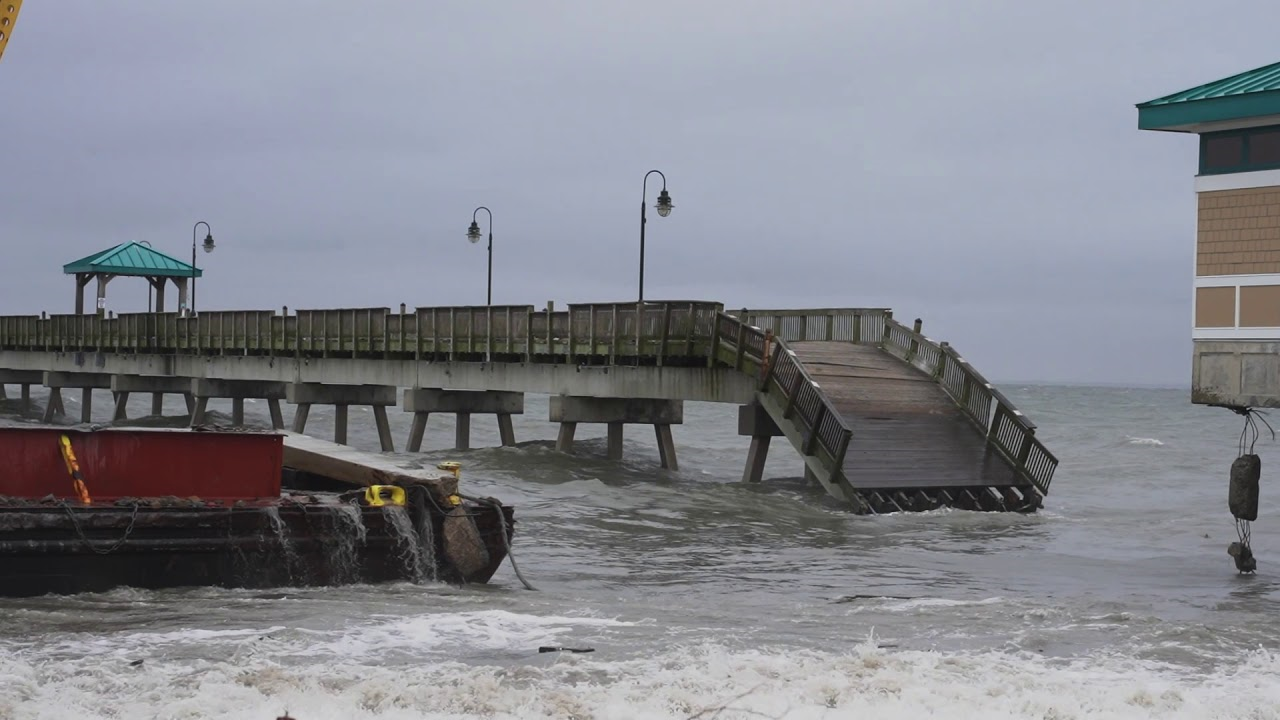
(664, 209)
(208, 247)
(473, 234)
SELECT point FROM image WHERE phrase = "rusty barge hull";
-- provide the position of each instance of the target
(246, 531)
(66, 550)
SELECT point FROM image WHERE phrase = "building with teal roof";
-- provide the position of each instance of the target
(1236, 285)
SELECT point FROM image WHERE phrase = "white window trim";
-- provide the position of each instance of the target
(1238, 181)
(1268, 334)
(1208, 281)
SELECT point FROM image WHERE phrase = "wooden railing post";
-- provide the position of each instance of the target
(639, 330)
(665, 331)
(614, 332)
(842, 450)
(792, 396)
(1024, 452)
(401, 335)
(692, 330)
(551, 326)
(741, 342)
(471, 331)
(915, 342)
(488, 333)
(713, 346)
(591, 330)
(813, 432)
(528, 334)
(993, 432)
(568, 355)
(510, 331)
(888, 321)
(766, 360)
(435, 334)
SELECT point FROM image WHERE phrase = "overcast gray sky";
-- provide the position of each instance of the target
(976, 164)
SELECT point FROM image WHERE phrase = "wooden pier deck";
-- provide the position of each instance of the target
(884, 417)
(909, 433)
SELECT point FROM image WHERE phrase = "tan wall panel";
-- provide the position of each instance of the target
(1260, 306)
(1215, 307)
(1238, 232)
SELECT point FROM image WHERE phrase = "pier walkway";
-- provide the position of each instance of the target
(885, 418)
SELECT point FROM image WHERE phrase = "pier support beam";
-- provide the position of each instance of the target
(342, 397)
(237, 391)
(755, 423)
(462, 403)
(157, 385)
(23, 378)
(616, 413)
(85, 382)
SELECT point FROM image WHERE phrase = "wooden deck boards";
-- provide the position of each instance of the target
(906, 432)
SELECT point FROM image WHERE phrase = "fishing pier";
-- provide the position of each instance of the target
(885, 418)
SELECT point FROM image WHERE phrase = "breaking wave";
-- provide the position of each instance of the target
(865, 681)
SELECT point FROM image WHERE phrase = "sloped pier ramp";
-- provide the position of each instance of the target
(886, 418)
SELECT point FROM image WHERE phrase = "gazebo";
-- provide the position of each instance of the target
(130, 259)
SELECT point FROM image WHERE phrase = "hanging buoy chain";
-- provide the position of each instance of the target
(1242, 491)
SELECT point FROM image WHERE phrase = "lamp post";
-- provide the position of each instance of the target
(473, 234)
(664, 209)
(208, 247)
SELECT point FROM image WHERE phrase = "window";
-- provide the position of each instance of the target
(1264, 148)
(1223, 153)
(1237, 151)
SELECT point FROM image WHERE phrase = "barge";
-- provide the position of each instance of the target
(85, 509)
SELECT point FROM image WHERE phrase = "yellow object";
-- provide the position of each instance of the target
(373, 495)
(73, 467)
(451, 466)
(454, 500)
(8, 18)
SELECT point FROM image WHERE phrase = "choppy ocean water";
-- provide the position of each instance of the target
(699, 593)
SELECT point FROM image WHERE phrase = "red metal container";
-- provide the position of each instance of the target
(137, 463)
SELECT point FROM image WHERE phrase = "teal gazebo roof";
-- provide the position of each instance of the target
(1250, 94)
(132, 258)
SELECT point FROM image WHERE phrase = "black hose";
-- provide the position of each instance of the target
(506, 540)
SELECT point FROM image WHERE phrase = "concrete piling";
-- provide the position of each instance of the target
(24, 379)
(85, 382)
(616, 413)
(422, 402)
(754, 422)
(202, 389)
(342, 397)
(123, 385)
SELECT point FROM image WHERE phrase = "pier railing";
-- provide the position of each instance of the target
(856, 325)
(682, 333)
(1009, 432)
(655, 331)
(754, 351)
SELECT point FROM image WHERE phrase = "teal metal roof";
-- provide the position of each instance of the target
(131, 258)
(1252, 93)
